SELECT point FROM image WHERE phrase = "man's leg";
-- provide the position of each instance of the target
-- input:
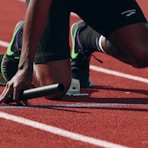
(130, 48)
(44, 74)
(126, 36)
(54, 72)
(131, 44)
(52, 59)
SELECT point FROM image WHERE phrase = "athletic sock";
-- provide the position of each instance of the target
(91, 40)
(99, 43)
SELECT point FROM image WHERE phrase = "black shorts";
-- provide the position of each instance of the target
(105, 16)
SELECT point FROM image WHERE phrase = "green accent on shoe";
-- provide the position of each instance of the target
(10, 60)
(79, 59)
(74, 54)
(17, 58)
(9, 52)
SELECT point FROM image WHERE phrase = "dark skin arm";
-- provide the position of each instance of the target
(35, 20)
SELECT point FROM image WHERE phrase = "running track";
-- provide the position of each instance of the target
(115, 115)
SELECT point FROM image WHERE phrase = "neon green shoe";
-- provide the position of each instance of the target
(10, 60)
(80, 58)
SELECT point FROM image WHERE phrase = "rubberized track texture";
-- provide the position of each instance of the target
(114, 115)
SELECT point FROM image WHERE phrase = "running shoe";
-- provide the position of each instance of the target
(10, 60)
(80, 58)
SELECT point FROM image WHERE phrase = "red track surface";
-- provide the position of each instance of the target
(116, 112)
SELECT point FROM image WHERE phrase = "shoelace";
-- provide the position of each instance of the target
(97, 58)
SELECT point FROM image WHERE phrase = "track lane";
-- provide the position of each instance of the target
(112, 122)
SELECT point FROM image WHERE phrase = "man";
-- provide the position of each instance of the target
(123, 24)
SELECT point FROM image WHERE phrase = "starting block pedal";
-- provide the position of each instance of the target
(74, 89)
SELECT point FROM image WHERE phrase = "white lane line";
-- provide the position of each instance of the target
(21, 0)
(4, 44)
(59, 131)
(119, 74)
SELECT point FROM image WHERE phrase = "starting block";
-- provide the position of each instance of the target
(74, 89)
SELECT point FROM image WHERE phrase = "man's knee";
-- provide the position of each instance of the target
(140, 59)
(131, 44)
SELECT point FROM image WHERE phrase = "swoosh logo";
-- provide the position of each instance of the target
(74, 54)
(128, 13)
